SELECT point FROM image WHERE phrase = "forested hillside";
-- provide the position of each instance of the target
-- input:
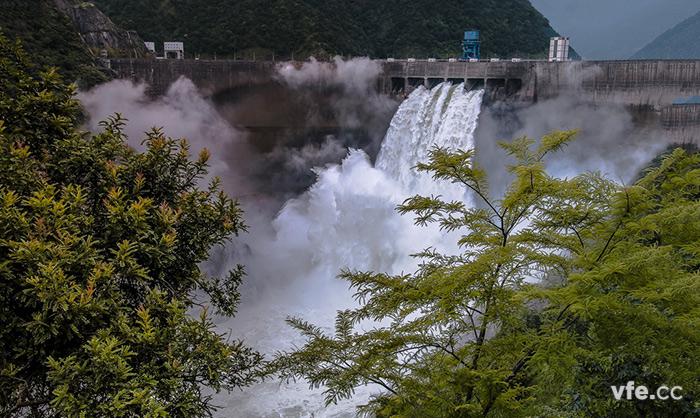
(49, 38)
(69, 35)
(679, 42)
(398, 28)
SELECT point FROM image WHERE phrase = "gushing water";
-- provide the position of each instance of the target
(445, 116)
(347, 219)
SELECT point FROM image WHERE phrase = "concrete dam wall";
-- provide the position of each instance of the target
(655, 83)
(646, 87)
(210, 76)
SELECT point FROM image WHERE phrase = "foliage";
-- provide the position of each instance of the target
(634, 297)
(399, 28)
(563, 287)
(99, 254)
(50, 39)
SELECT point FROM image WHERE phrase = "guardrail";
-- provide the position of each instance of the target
(458, 60)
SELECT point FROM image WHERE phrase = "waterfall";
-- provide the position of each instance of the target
(347, 219)
(445, 116)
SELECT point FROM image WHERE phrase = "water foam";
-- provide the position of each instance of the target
(347, 219)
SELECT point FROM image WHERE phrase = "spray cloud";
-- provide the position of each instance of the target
(609, 139)
(347, 218)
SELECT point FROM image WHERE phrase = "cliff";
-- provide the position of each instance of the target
(99, 33)
(67, 35)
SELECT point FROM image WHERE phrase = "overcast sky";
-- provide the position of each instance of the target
(614, 29)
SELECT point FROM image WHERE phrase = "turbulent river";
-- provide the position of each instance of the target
(347, 219)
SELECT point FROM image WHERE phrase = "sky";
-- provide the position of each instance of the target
(614, 29)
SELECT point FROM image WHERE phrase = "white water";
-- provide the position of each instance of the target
(347, 219)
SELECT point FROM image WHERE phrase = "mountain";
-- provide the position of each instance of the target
(680, 42)
(48, 37)
(99, 33)
(613, 29)
(67, 34)
(398, 28)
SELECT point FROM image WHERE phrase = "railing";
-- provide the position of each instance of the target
(292, 58)
(458, 60)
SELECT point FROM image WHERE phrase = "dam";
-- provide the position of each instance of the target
(648, 87)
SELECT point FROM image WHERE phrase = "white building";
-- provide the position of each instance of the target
(559, 49)
(174, 50)
(151, 47)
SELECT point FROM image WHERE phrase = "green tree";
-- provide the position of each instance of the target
(99, 254)
(508, 326)
(50, 39)
(324, 28)
(632, 302)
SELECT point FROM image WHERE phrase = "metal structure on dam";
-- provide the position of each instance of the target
(648, 87)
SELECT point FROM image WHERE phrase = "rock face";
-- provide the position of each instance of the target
(99, 32)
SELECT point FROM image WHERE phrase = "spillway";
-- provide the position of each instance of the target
(347, 219)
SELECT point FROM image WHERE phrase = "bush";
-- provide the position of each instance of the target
(99, 254)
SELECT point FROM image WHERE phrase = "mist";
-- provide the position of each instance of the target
(608, 139)
(181, 113)
(355, 102)
(334, 106)
(345, 217)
